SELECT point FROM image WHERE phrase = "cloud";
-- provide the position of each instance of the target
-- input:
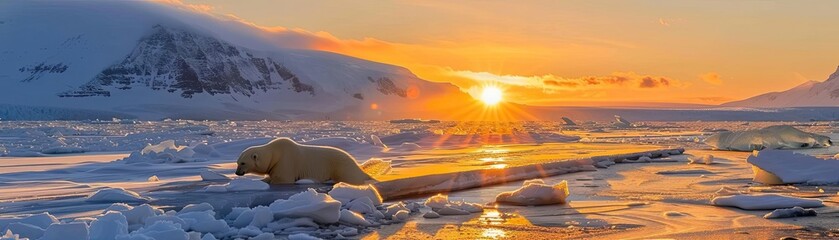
(712, 78)
(714, 99)
(551, 82)
(663, 22)
(650, 82)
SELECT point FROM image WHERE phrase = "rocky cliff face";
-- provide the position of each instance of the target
(182, 62)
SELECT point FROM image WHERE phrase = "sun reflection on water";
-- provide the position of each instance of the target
(493, 233)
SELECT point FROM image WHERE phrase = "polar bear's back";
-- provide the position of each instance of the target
(329, 163)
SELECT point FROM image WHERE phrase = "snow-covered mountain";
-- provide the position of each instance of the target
(808, 94)
(151, 61)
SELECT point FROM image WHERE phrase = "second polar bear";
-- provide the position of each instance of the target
(285, 161)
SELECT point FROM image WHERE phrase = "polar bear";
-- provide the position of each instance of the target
(285, 161)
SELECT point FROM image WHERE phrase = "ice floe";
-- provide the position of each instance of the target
(764, 201)
(704, 159)
(442, 206)
(535, 192)
(168, 152)
(113, 195)
(238, 185)
(785, 167)
(318, 206)
(208, 175)
(773, 137)
(791, 212)
(346, 193)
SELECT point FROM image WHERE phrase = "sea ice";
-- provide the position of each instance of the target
(431, 214)
(41, 220)
(62, 231)
(204, 222)
(346, 193)
(704, 159)
(352, 218)
(208, 175)
(440, 203)
(536, 192)
(108, 226)
(238, 185)
(785, 167)
(361, 205)
(168, 152)
(161, 230)
(317, 206)
(791, 212)
(764, 201)
(26, 230)
(113, 195)
(301, 236)
(773, 137)
(11, 236)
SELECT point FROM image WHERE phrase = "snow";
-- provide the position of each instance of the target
(431, 214)
(764, 201)
(361, 205)
(346, 193)
(41, 220)
(204, 222)
(135, 216)
(238, 185)
(437, 201)
(209, 175)
(772, 137)
(536, 192)
(442, 206)
(161, 230)
(167, 152)
(704, 159)
(113, 195)
(807, 94)
(377, 141)
(786, 167)
(621, 123)
(318, 206)
(108, 226)
(791, 213)
(301, 236)
(62, 231)
(26, 230)
(201, 207)
(352, 218)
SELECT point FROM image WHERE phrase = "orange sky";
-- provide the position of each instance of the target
(574, 52)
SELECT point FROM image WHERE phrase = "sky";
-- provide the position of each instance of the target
(573, 53)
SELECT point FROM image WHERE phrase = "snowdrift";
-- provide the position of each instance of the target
(774, 137)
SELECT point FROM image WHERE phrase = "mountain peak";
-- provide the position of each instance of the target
(834, 75)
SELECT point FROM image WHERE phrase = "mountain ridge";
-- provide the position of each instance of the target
(163, 62)
(807, 94)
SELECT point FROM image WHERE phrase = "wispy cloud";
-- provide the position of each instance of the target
(712, 78)
(663, 22)
(552, 82)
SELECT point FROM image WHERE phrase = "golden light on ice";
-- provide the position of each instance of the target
(491, 95)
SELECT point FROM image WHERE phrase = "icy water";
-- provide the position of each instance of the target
(33, 181)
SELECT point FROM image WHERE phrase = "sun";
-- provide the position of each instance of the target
(491, 95)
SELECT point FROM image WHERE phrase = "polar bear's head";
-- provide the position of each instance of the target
(254, 160)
